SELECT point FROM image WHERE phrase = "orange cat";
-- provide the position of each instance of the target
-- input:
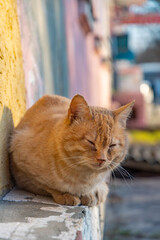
(66, 149)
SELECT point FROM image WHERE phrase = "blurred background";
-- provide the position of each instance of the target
(108, 51)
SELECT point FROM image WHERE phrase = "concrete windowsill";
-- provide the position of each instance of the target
(26, 216)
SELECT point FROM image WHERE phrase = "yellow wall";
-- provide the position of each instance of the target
(12, 89)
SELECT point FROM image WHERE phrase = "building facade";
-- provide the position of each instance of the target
(54, 47)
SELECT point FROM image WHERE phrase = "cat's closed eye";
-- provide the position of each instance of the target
(112, 145)
(92, 144)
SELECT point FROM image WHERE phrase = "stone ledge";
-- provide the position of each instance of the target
(29, 217)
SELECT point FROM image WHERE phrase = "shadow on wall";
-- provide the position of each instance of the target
(6, 128)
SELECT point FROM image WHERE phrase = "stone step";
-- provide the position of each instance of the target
(25, 216)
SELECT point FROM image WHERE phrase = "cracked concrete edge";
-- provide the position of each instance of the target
(79, 222)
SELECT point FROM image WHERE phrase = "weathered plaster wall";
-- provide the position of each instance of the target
(44, 48)
(12, 90)
(33, 61)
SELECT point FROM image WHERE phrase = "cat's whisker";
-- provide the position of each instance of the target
(113, 176)
(81, 160)
(65, 169)
(123, 171)
(72, 157)
(127, 174)
(110, 177)
(119, 170)
(123, 176)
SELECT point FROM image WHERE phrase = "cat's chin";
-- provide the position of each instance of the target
(98, 168)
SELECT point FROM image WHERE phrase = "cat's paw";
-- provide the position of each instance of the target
(67, 199)
(101, 194)
(96, 198)
(89, 200)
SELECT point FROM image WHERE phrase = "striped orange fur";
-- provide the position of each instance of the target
(66, 148)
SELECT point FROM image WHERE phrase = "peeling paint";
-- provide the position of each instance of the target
(27, 216)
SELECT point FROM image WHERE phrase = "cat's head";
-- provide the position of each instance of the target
(95, 138)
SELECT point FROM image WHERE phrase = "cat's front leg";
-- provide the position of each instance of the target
(65, 198)
(98, 196)
(101, 193)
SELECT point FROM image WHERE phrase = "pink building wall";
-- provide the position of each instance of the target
(88, 76)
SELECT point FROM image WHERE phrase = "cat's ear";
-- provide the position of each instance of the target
(78, 109)
(122, 114)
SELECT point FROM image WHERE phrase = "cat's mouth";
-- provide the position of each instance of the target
(101, 162)
(100, 167)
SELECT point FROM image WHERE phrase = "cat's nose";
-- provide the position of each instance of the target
(101, 156)
(101, 161)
